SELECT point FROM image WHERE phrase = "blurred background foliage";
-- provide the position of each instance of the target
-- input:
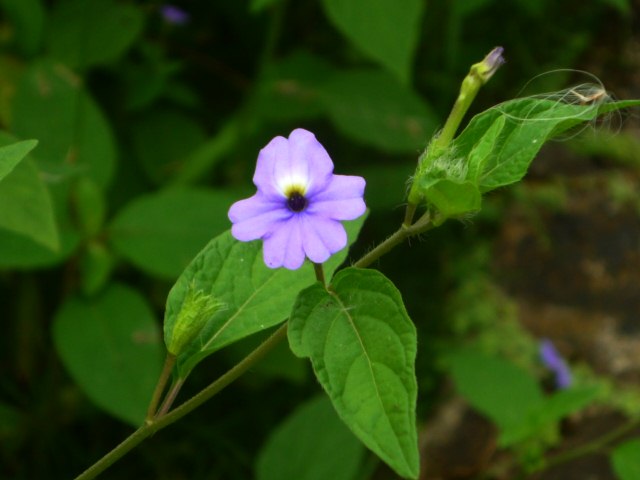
(149, 119)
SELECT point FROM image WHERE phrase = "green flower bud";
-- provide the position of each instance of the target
(197, 309)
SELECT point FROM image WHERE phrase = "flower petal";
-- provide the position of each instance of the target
(321, 237)
(341, 200)
(256, 217)
(309, 159)
(276, 151)
(283, 247)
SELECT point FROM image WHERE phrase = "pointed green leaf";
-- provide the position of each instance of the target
(372, 107)
(311, 444)
(362, 345)
(384, 30)
(111, 347)
(253, 296)
(10, 155)
(626, 460)
(501, 142)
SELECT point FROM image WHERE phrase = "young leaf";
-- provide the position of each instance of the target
(111, 347)
(626, 460)
(10, 155)
(384, 30)
(253, 296)
(453, 198)
(311, 444)
(83, 34)
(362, 346)
(501, 142)
(372, 107)
(161, 232)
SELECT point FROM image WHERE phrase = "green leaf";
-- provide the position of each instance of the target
(163, 140)
(52, 106)
(498, 389)
(289, 88)
(260, 5)
(384, 30)
(373, 108)
(111, 346)
(626, 460)
(10, 155)
(254, 297)
(311, 444)
(453, 198)
(160, 233)
(552, 410)
(26, 204)
(83, 34)
(501, 142)
(362, 345)
(27, 17)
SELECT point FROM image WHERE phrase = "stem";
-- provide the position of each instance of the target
(150, 428)
(409, 213)
(422, 225)
(592, 447)
(170, 398)
(169, 362)
(319, 273)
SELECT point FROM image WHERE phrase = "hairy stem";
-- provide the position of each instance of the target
(170, 398)
(155, 425)
(422, 225)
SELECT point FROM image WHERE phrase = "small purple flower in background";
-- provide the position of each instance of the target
(299, 203)
(174, 15)
(555, 363)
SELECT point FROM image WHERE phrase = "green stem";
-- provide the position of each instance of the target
(170, 398)
(150, 428)
(169, 362)
(422, 225)
(593, 447)
(317, 267)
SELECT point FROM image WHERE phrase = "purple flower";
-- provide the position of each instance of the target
(299, 204)
(555, 363)
(174, 15)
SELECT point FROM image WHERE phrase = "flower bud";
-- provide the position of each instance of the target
(487, 67)
(197, 309)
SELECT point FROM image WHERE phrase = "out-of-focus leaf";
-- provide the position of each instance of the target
(89, 206)
(86, 33)
(386, 185)
(26, 207)
(162, 232)
(374, 108)
(52, 106)
(626, 460)
(27, 17)
(623, 6)
(384, 30)
(96, 265)
(163, 140)
(112, 348)
(259, 5)
(10, 155)
(10, 419)
(311, 444)
(289, 88)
